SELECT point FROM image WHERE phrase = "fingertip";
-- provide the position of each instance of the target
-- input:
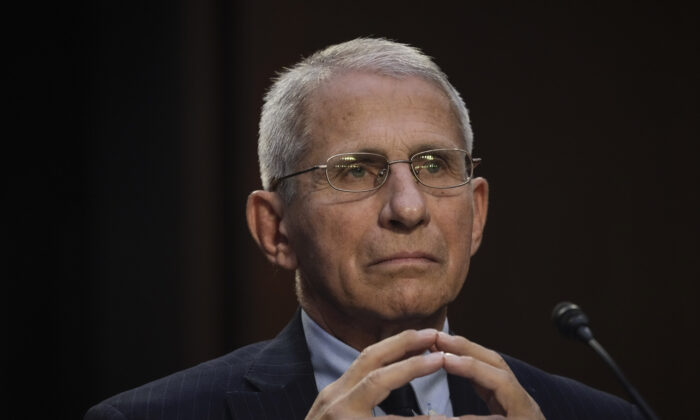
(424, 335)
(435, 356)
(451, 359)
(442, 336)
(428, 332)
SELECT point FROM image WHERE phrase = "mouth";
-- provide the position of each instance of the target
(402, 258)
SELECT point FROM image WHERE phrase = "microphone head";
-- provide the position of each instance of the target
(571, 321)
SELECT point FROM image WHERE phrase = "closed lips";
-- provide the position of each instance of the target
(400, 256)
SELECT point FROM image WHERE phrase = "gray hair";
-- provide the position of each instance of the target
(284, 137)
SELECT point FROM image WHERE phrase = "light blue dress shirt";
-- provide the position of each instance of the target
(331, 357)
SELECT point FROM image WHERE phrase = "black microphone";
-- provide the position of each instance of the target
(573, 323)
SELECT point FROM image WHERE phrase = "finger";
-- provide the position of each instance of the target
(461, 346)
(387, 351)
(499, 388)
(441, 417)
(480, 373)
(377, 385)
(375, 356)
(423, 417)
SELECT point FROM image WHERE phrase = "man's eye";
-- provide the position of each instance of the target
(433, 167)
(357, 171)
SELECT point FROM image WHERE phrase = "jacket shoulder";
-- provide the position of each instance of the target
(197, 392)
(564, 398)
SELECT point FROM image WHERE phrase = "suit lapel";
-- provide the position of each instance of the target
(282, 377)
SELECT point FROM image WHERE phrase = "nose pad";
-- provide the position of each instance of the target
(382, 176)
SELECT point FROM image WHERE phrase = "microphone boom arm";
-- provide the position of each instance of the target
(573, 323)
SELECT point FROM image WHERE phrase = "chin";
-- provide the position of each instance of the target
(413, 306)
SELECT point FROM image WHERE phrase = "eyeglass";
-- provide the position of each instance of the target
(361, 172)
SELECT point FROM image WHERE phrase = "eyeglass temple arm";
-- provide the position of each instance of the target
(476, 162)
(277, 181)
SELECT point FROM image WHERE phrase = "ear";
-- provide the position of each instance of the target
(480, 200)
(265, 212)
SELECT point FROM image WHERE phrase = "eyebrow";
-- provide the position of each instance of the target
(370, 150)
(429, 146)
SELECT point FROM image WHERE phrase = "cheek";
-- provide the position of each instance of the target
(328, 239)
(346, 231)
(456, 227)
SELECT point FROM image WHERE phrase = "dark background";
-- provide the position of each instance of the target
(131, 148)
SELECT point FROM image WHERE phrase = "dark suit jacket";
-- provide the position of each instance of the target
(275, 380)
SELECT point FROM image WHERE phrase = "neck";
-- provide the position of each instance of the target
(362, 330)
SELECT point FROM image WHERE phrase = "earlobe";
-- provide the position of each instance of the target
(480, 200)
(265, 212)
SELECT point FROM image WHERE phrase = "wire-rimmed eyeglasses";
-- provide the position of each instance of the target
(362, 171)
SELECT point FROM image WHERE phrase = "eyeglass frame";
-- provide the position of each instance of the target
(474, 163)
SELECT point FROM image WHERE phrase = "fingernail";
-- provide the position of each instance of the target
(434, 357)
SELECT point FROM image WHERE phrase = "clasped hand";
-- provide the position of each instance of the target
(395, 361)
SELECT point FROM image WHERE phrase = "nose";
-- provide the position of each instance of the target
(405, 207)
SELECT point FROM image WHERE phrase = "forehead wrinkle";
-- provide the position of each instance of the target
(373, 86)
(345, 115)
(349, 124)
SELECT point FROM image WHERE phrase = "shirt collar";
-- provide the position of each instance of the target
(331, 357)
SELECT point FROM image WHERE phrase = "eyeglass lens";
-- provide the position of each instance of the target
(367, 171)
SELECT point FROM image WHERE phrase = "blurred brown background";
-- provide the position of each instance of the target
(130, 257)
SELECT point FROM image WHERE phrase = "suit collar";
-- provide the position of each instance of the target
(283, 360)
(282, 377)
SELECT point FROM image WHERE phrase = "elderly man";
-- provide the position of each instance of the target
(370, 197)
